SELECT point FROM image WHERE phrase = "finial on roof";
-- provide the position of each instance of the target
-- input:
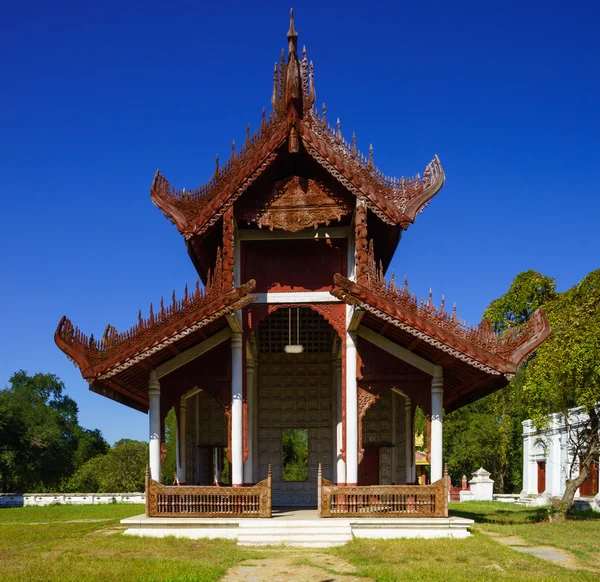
(292, 30)
(353, 144)
(370, 165)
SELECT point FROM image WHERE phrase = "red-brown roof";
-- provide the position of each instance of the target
(295, 128)
(118, 365)
(476, 360)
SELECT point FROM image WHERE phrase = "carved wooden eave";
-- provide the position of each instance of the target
(479, 346)
(294, 120)
(297, 203)
(116, 352)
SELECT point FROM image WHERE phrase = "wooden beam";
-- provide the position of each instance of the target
(398, 351)
(414, 344)
(192, 353)
(234, 322)
(357, 315)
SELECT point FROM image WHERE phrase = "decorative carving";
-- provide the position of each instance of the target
(361, 254)
(228, 250)
(295, 120)
(365, 401)
(119, 351)
(198, 501)
(297, 203)
(383, 500)
(478, 345)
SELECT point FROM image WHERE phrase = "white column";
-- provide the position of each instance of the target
(351, 411)
(249, 464)
(437, 398)
(181, 429)
(526, 454)
(554, 463)
(409, 453)
(340, 464)
(196, 447)
(154, 425)
(237, 449)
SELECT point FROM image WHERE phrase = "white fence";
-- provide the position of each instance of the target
(41, 499)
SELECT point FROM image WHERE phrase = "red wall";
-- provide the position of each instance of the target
(293, 265)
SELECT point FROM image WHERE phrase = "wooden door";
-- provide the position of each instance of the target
(368, 470)
(589, 487)
(541, 476)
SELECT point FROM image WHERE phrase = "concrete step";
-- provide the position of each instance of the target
(298, 533)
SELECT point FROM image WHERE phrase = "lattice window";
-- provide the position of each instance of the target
(313, 331)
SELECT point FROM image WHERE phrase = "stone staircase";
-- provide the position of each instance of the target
(324, 533)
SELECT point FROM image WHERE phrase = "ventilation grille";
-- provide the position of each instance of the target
(316, 335)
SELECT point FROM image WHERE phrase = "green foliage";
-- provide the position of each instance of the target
(121, 469)
(39, 434)
(565, 372)
(295, 454)
(527, 292)
(169, 466)
(478, 435)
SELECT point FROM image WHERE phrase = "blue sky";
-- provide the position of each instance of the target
(95, 97)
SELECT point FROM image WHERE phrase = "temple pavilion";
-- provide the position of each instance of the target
(293, 331)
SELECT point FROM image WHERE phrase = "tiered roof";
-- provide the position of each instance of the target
(436, 333)
(118, 364)
(294, 125)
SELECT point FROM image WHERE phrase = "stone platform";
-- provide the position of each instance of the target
(297, 527)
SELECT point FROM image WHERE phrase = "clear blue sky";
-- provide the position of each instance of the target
(94, 97)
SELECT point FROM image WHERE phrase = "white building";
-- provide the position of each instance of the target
(550, 457)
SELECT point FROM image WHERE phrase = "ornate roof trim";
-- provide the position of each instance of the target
(294, 119)
(477, 346)
(116, 352)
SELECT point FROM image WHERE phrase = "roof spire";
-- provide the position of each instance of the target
(292, 35)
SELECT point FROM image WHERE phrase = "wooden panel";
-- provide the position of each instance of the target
(294, 391)
(293, 265)
(541, 476)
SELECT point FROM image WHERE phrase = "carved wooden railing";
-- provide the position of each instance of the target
(212, 501)
(383, 500)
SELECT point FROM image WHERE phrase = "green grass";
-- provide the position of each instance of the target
(43, 543)
(579, 535)
(51, 543)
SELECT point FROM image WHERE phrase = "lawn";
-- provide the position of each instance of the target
(579, 535)
(86, 543)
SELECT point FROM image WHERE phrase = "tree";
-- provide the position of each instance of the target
(38, 435)
(564, 372)
(169, 466)
(121, 469)
(477, 436)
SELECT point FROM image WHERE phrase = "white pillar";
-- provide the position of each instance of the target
(340, 464)
(237, 448)
(154, 425)
(409, 452)
(351, 411)
(181, 448)
(437, 398)
(526, 454)
(554, 463)
(250, 397)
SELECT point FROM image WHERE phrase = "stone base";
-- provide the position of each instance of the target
(312, 532)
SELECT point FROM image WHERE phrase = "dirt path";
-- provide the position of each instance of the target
(295, 567)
